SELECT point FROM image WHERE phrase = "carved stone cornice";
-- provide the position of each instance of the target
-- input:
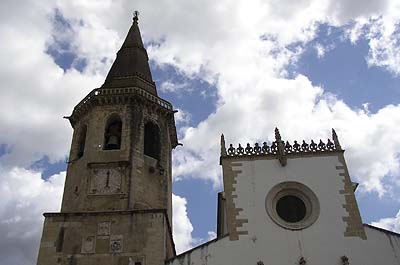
(114, 96)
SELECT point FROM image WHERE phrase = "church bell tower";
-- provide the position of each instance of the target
(117, 202)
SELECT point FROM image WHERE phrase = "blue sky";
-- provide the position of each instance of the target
(344, 71)
(304, 68)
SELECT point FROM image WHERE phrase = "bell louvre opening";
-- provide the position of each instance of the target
(112, 134)
(152, 140)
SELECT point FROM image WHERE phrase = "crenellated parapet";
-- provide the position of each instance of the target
(280, 148)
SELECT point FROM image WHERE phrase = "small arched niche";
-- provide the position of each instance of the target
(81, 141)
(112, 133)
(152, 140)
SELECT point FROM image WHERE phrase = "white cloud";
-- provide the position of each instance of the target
(211, 235)
(320, 50)
(241, 47)
(182, 227)
(381, 31)
(182, 117)
(24, 197)
(391, 223)
(342, 10)
(169, 86)
(35, 93)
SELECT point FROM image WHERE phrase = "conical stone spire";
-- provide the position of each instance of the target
(131, 67)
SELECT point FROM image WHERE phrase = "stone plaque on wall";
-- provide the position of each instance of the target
(116, 243)
(103, 228)
(88, 244)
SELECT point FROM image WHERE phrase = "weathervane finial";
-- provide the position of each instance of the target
(135, 16)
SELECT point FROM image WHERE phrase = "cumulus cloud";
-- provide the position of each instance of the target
(24, 197)
(182, 227)
(182, 117)
(169, 86)
(391, 223)
(36, 93)
(381, 32)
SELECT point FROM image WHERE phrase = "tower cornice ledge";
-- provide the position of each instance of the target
(123, 95)
(113, 212)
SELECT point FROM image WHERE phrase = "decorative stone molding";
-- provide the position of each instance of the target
(223, 148)
(116, 243)
(103, 228)
(88, 244)
(336, 140)
(280, 149)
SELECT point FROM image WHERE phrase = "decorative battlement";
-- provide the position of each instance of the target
(280, 149)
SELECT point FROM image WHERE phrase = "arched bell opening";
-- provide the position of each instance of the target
(81, 141)
(112, 133)
(152, 140)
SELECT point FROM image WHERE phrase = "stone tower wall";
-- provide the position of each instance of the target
(145, 181)
(121, 238)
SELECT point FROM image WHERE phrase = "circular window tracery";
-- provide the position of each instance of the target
(292, 205)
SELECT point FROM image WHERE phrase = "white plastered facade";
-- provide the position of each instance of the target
(262, 241)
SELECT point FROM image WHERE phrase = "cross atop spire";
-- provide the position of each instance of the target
(135, 16)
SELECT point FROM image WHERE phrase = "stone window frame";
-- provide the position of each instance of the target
(300, 191)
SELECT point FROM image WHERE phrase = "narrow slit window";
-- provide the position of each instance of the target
(152, 140)
(82, 141)
(112, 134)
